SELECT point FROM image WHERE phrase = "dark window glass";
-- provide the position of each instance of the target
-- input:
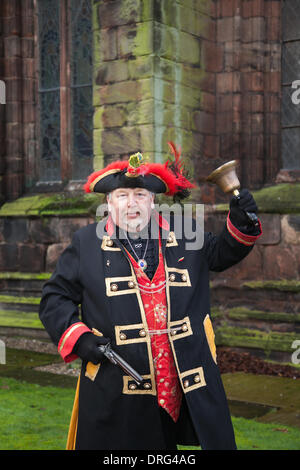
(49, 90)
(81, 88)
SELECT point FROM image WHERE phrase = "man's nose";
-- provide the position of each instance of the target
(131, 200)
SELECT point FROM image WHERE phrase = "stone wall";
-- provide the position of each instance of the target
(247, 65)
(203, 73)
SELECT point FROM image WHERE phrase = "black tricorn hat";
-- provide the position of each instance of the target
(136, 173)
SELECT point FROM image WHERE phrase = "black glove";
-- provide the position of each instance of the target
(87, 347)
(239, 205)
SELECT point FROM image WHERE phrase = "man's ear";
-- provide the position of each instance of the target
(153, 202)
(107, 200)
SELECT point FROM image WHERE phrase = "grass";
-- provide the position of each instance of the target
(34, 417)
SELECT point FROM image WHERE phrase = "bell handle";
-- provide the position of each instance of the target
(251, 215)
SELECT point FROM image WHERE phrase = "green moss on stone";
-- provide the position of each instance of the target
(278, 199)
(284, 285)
(11, 299)
(17, 319)
(25, 276)
(241, 313)
(61, 204)
(251, 338)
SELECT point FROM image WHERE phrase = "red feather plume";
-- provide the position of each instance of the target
(178, 168)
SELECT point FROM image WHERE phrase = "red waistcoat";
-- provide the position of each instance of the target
(169, 393)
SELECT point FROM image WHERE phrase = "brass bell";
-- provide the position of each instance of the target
(226, 178)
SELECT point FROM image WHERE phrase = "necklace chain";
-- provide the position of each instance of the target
(144, 265)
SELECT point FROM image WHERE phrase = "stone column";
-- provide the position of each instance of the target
(150, 82)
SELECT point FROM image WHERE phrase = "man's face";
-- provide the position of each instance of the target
(130, 208)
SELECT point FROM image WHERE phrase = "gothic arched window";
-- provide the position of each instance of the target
(65, 91)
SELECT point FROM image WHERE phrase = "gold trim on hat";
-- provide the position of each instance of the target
(117, 170)
(107, 173)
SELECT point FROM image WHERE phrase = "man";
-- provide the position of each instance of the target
(149, 297)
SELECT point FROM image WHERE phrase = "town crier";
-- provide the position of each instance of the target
(131, 281)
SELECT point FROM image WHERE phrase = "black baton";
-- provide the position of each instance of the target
(114, 358)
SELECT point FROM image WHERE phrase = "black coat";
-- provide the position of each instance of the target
(111, 415)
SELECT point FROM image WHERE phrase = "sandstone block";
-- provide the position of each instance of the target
(121, 140)
(32, 258)
(271, 226)
(290, 225)
(9, 257)
(280, 262)
(15, 230)
(118, 12)
(53, 253)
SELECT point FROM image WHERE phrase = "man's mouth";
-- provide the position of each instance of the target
(133, 215)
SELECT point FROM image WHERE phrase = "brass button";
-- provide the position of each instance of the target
(172, 277)
(173, 332)
(131, 284)
(142, 333)
(109, 243)
(147, 386)
(186, 383)
(114, 287)
(197, 378)
(184, 327)
(184, 278)
(132, 387)
(123, 336)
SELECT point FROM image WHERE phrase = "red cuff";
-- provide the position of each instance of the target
(68, 340)
(241, 237)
